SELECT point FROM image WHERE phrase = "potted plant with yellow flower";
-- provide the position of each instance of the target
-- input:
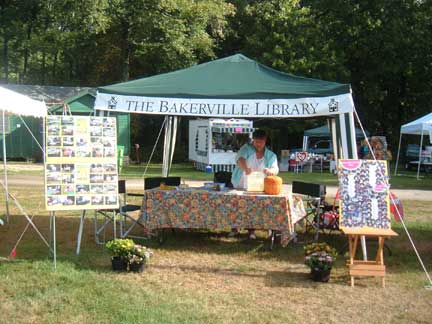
(119, 249)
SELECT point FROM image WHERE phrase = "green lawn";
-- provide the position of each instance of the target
(204, 277)
(187, 171)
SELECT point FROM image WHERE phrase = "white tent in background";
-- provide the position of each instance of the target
(18, 104)
(421, 126)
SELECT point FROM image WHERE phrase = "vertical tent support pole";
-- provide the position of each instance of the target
(420, 152)
(167, 146)
(332, 126)
(80, 231)
(305, 141)
(5, 168)
(175, 121)
(398, 153)
(53, 238)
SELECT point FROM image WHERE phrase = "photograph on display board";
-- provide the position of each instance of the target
(68, 141)
(364, 194)
(68, 152)
(54, 141)
(83, 200)
(53, 152)
(83, 189)
(53, 120)
(54, 177)
(110, 188)
(54, 190)
(67, 130)
(53, 167)
(96, 121)
(96, 131)
(111, 200)
(68, 189)
(97, 189)
(81, 156)
(67, 120)
(97, 200)
(83, 152)
(67, 168)
(53, 130)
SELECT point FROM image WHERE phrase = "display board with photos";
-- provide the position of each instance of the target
(364, 194)
(81, 163)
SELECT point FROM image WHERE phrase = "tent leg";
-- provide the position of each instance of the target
(305, 141)
(5, 168)
(80, 231)
(169, 142)
(53, 239)
(420, 152)
(398, 153)
(173, 139)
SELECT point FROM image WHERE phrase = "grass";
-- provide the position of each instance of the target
(203, 277)
(187, 171)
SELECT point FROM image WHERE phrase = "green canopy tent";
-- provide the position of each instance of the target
(234, 87)
(324, 132)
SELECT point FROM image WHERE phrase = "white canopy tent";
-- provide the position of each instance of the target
(421, 126)
(17, 104)
(12, 102)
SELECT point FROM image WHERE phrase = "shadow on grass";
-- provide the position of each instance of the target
(94, 257)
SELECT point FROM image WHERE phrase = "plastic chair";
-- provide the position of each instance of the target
(294, 166)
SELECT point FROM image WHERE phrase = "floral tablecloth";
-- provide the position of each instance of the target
(201, 209)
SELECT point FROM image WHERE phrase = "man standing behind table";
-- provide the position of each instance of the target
(253, 157)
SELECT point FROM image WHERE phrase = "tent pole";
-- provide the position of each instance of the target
(167, 145)
(334, 138)
(173, 140)
(5, 168)
(397, 158)
(420, 152)
(305, 141)
(353, 138)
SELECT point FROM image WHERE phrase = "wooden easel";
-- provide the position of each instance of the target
(363, 268)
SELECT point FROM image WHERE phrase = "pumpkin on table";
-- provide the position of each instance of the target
(272, 185)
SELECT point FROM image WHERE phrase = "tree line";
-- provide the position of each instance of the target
(383, 48)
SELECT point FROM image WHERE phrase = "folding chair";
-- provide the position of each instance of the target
(314, 198)
(109, 216)
(126, 209)
(223, 177)
(128, 221)
(329, 218)
(150, 183)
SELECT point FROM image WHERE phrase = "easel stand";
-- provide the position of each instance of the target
(365, 268)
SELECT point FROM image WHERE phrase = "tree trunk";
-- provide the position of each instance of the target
(54, 68)
(6, 58)
(125, 50)
(43, 66)
(27, 52)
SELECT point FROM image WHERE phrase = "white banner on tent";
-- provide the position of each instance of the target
(276, 108)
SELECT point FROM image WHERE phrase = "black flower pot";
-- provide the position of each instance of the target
(136, 267)
(119, 264)
(320, 275)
